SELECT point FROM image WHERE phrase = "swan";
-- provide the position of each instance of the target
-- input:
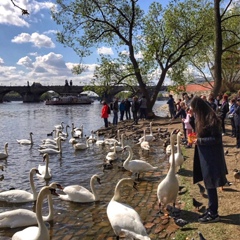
(112, 155)
(59, 127)
(118, 148)
(92, 137)
(26, 141)
(136, 166)
(99, 141)
(49, 141)
(24, 217)
(122, 217)
(168, 188)
(49, 145)
(145, 144)
(149, 137)
(44, 170)
(77, 193)
(176, 147)
(72, 140)
(21, 196)
(81, 146)
(77, 132)
(4, 155)
(64, 134)
(178, 156)
(111, 141)
(51, 150)
(40, 232)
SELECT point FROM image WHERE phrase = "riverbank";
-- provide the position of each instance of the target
(145, 201)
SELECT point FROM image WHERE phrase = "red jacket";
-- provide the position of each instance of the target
(105, 111)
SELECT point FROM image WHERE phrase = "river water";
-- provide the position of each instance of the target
(74, 167)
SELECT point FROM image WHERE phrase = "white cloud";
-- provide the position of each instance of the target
(105, 51)
(38, 40)
(26, 62)
(1, 61)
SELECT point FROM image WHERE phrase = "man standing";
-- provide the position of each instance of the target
(115, 112)
(171, 106)
(135, 109)
(127, 108)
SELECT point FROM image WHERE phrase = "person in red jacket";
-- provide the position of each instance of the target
(105, 113)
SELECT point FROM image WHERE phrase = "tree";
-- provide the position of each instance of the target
(163, 36)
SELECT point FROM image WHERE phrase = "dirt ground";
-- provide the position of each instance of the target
(229, 226)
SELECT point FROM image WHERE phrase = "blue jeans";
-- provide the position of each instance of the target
(115, 118)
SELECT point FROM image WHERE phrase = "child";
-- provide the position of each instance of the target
(188, 126)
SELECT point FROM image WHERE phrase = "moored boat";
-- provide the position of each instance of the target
(69, 100)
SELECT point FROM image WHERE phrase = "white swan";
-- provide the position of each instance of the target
(77, 132)
(51, 150)
(40, 232)
(44, 170)
(145, 144)
(59, 127)
(136, 166)
(119, 148)
(179, 158)
(64, 134)
(92, 137)
(177, 146)
(81, 146)
(111, 141)
(26, 141)
(168, 188)
(112, 155)
(4, 155)
(122, 217)
(49, 141)
(24, 217)
(72, 140)
(77, 193)
(21, 196)
(99, 141)
(149, 137)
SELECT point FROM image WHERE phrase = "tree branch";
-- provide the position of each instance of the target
(24, 11)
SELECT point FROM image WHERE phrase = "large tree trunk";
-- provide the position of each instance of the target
(218, 50)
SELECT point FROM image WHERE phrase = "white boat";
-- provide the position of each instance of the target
(69, 100)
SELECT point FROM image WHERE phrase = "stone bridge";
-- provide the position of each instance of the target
(33, 93)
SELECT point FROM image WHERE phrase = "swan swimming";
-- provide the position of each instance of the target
(40, 232)
(168, 188)
(21, 196)
(24, 217)
(4, 155)
(26, 141)
(81, 146)
(44, 170)
(122, 217)
(77, 193)
(119, 148)
(51, 150)
(112, 155)
(136, 166)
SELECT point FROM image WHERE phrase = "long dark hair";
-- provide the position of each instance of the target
(207, 122)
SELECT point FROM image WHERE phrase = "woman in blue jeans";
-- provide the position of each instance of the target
(209, 163)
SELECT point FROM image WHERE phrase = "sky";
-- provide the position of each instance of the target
(29, 50)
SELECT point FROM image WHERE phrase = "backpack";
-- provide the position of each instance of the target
(109, 110)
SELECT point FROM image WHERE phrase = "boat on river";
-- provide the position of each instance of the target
(69, 100)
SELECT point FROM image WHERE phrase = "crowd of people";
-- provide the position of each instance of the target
(135, 110)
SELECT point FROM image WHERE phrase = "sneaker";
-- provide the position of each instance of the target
(208, 218)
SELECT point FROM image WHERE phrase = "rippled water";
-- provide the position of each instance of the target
(74, 167)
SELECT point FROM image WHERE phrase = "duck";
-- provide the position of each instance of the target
(39, 232)
(112, 155)
(44, 170)
(21, 196)
(145, 144)
(77, 193)
(26, 141)
(24, 217)
(168, 188)
(81, 146)
(122, 217)
(179, 158)
(4, 155)
(118, 148)
(51, 150)
(136, 166)
(149, 137)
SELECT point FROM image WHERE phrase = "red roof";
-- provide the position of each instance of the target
(199, 87)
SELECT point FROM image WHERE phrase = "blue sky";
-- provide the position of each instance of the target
(29, 50)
